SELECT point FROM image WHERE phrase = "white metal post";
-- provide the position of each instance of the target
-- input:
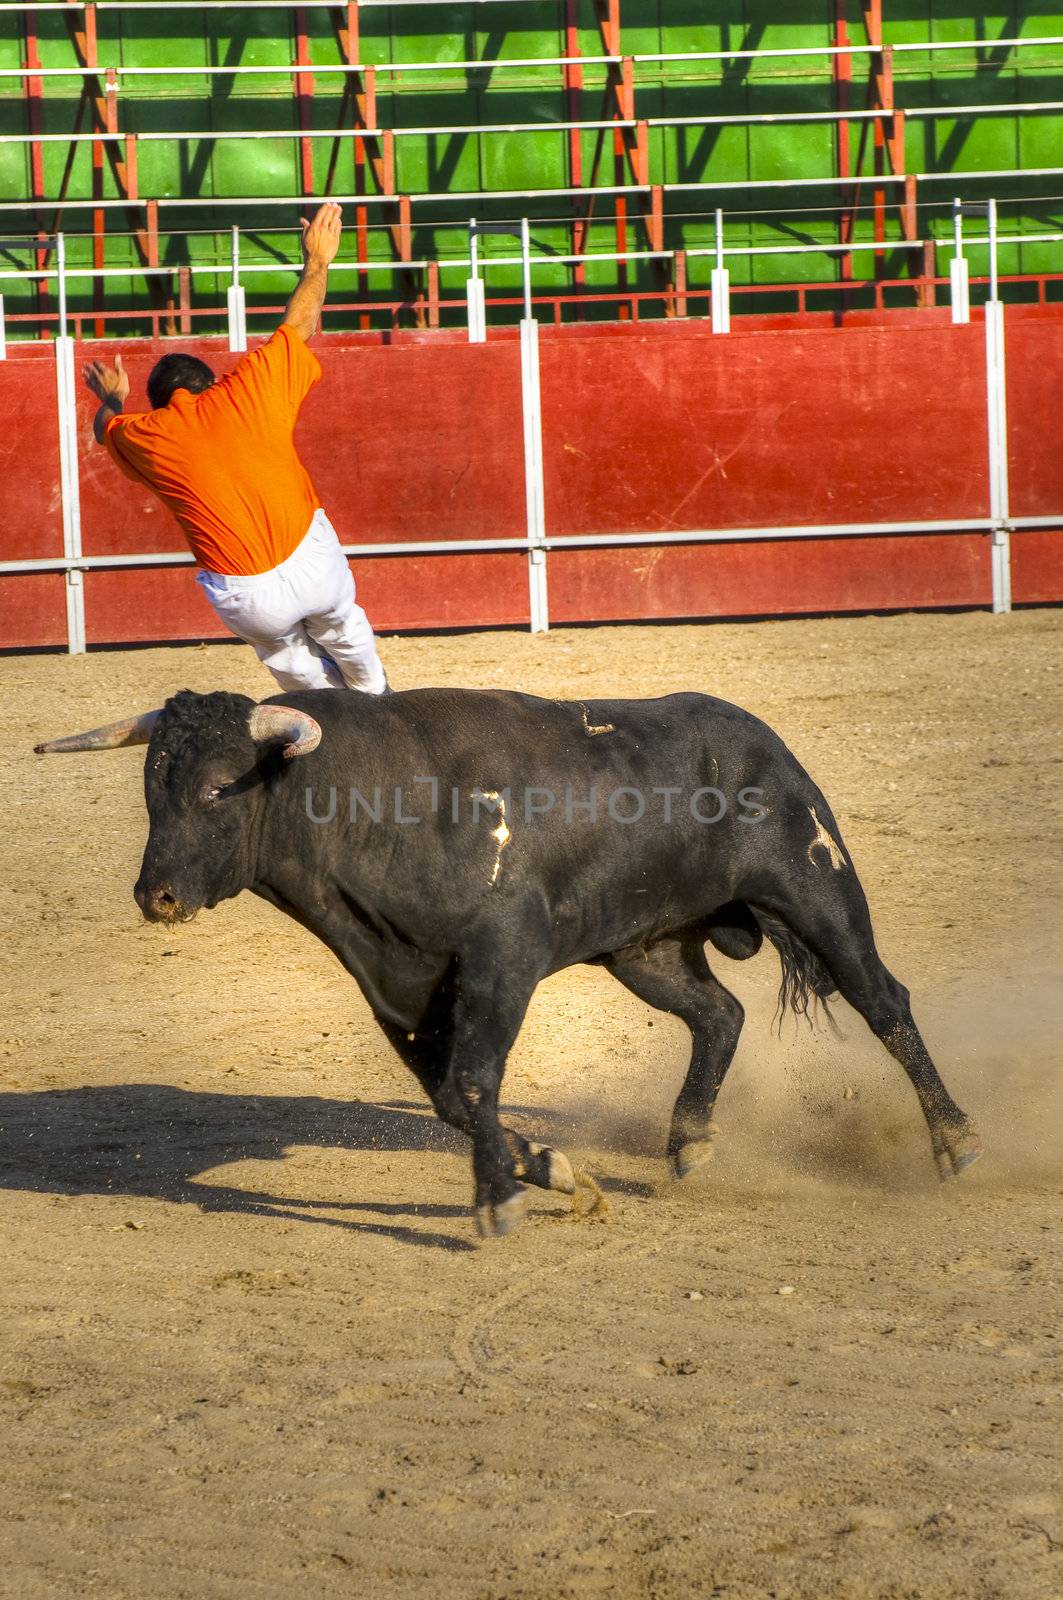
(60, 267)
(999, 495)
(525, 257)
(69, 477)
(237, 302)
(720, 285)
(991, 212)
(534, 480)
(959, 271)
(475, 302)
(997, 410)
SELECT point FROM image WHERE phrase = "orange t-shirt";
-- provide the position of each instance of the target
(224, 461)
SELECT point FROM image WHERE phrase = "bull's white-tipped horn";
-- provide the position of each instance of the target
(298, 732)
(133, 730)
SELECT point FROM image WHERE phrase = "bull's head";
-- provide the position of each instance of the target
(203, 777)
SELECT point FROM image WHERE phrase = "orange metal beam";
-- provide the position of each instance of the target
(33, 88)
(378, 152)
(102, 99)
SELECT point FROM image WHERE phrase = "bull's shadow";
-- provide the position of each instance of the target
(151, 1140)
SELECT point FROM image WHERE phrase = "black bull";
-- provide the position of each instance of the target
(454, 847)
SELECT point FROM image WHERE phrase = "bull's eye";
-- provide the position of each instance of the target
(210, 795)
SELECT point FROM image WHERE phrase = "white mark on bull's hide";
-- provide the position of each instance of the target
(592, 728)
(501, 834)
(828, 841)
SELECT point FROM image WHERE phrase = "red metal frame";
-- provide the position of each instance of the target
(572, 78)
(34, 91)
(888, 155)
(377, 152)
(304, 95)
(101, 101)
(374, 164)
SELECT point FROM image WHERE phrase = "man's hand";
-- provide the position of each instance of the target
(321, 237)
(107, 383)
(321, 240)
(110, 385)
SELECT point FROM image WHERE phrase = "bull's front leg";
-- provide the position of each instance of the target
(489, 1008)
(428, 1058)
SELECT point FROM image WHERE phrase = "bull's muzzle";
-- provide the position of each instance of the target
(160, 904)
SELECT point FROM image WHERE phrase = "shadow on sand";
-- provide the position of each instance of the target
(151, 1140)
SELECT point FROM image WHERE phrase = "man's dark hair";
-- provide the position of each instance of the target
(177, 371)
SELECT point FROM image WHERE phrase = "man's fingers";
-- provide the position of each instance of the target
(118, 363)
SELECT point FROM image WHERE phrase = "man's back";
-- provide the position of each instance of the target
(224, 460)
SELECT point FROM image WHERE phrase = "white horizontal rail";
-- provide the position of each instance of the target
(19, 6)
(520, 544)
(210, 135)
(875, 180)
(206, 201)
(443, 197)
(329, 69)
(881, 113)
(464, 130)
(663, 57)
(237, 6)
(826, 530)
(921, 46)
(184, 558)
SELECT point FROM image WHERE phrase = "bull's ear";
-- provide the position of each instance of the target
(297, 731)
(134, 730)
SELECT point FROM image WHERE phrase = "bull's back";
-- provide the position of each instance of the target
(623, 817)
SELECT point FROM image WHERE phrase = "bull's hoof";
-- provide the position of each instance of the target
(562, 1177)
(956, 1149)
(689, 1157)
(495, 1221)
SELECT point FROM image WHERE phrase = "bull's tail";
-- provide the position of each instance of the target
(806, 984)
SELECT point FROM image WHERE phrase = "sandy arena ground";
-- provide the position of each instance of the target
(247, 1346)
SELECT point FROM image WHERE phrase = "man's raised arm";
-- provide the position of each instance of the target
(110, 385)
(321, 240)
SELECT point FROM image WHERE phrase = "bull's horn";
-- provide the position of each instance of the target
(134, 730)
(276, 724)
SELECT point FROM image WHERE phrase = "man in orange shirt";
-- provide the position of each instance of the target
(221, 456)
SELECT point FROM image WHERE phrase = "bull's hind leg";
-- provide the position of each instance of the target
(871, 989)
(674, 976)
(835, 923)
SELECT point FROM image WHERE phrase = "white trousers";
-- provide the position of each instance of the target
(300, 618)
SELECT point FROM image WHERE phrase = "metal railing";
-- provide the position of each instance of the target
(507, 63)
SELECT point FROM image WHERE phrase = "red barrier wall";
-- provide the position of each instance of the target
(763, 429)
(31, 511)
(1035, 451)
(413, 437)
(769, 577)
